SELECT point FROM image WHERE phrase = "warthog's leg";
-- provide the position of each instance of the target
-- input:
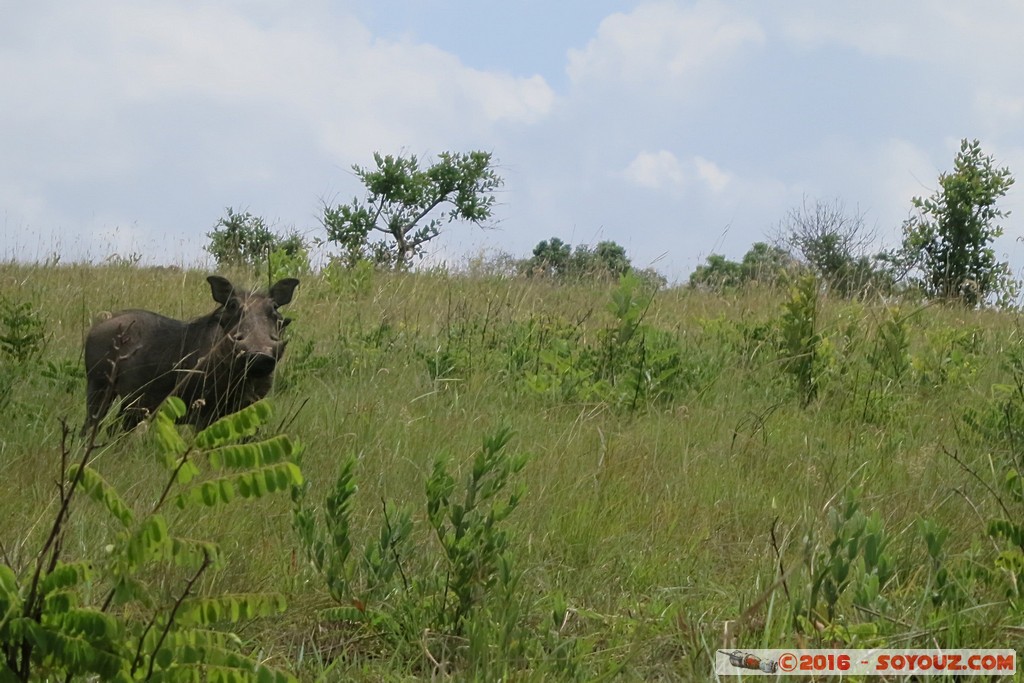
(99, 394)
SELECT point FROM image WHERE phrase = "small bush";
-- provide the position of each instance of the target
(114, 617)
(243, 239)
(22, 331)
(398, 598)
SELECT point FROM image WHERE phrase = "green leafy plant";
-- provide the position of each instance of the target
(22, 331)
(943, 589)
(470, 530)
(947, 357)
(763, 263)
(244, 239)
(554, 258)
(113, 617)
(328, 547)
(632, 354)
(999, 426)
(801, 340)
(947, 247)
(856, 558)
(22, 342)
(289, 258)
(890, 356)
(351, 279)
(880, 400)
(379, 589)
(550, 257)
(629, 365)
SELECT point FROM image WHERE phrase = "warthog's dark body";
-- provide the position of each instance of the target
(217, 364)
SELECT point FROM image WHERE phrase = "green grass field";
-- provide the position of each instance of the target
(693, 463)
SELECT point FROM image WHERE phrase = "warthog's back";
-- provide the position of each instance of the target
(137, 347)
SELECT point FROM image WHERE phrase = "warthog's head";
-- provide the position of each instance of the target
(252, 326)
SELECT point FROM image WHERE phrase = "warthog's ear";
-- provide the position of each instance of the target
(281, 292)
(221, 288)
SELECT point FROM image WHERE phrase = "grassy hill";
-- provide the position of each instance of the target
(776, 464)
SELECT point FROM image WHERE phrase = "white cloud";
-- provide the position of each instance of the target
(954, 34)
(711, 174)
(656, 171)
(129, 122)
(330, 76)
(999, 110)
(662, 170)
(662, 42)
(165, 113)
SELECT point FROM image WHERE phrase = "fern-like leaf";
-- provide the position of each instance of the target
(252, 455)
(149, 543)
(235, 426)
(99, 490)
(165, 433)
(74, 654)
(65, 576)
(228, 608)
(252, 484)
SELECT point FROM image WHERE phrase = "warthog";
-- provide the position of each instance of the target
(217, 364)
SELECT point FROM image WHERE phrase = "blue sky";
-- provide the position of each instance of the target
(677, 129)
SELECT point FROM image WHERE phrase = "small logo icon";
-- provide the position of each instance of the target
(744, 660)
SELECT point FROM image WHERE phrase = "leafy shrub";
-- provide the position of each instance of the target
(113, 617)
(354, 279)
(762, 263)
(22, 331)
(834, 244)
(377, 588)
(999, 427)
(289, 258)
(243, 239)
(947, 245)
(890, 356)
(947, 357)
(22, 341)
(802, 343)
(854, 568)
(554, 258)
(629, 365)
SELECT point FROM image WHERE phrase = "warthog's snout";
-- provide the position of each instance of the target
(259, 365)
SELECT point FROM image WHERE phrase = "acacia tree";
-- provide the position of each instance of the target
(400, 198)
(948, 242)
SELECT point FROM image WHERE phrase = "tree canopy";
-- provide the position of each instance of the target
(242, 238)
(406, 206)
(947, 243)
